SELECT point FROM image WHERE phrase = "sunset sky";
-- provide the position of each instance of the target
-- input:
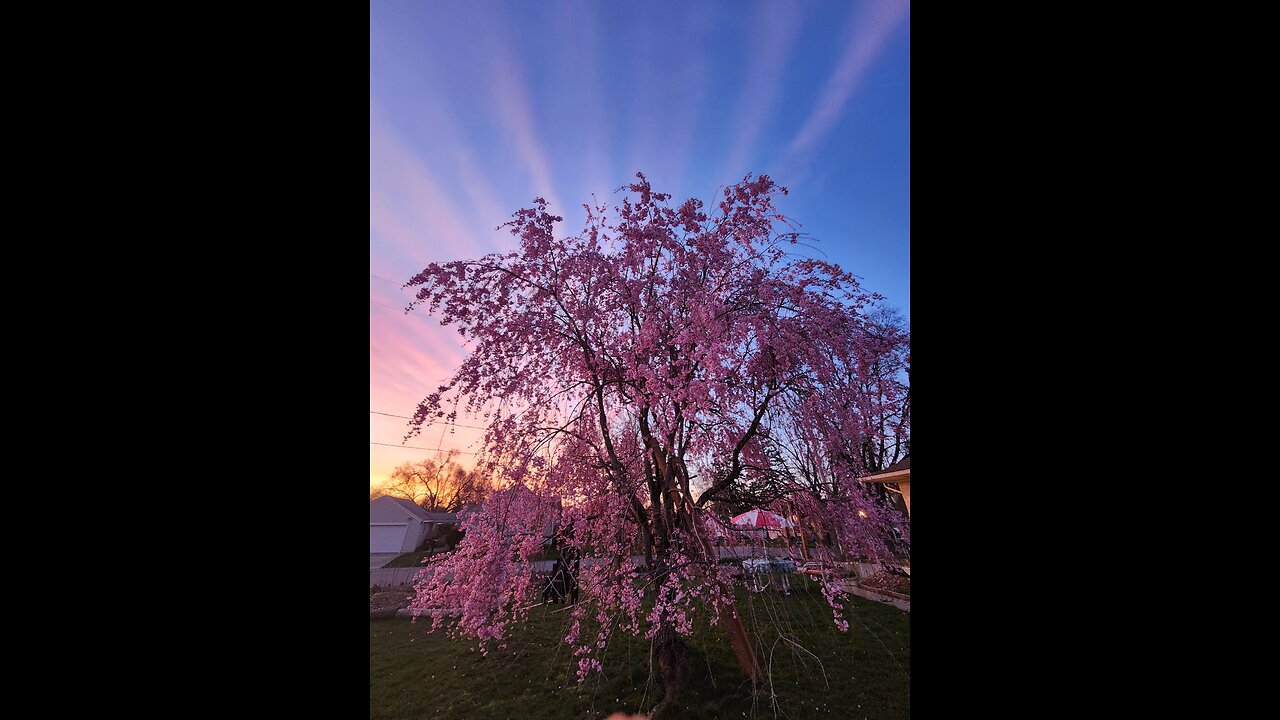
(477, 107)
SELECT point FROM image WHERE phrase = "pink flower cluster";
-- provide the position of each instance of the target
(833, 594)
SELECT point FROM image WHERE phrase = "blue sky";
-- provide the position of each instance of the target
(475, 108)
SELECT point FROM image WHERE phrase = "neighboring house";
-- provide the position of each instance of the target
(523, 492)
(898, 474)
(397, 525)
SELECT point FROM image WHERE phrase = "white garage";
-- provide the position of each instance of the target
(397, 525)
(386, 538)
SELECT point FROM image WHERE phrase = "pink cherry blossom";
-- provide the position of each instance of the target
(635, 379)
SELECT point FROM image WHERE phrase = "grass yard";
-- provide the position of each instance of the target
(412, 559)
(416, 674)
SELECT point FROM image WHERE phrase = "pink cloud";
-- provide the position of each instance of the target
(409, 357)
(408, 208)
(413, 221)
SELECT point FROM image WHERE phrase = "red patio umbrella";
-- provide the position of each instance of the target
(761, 519)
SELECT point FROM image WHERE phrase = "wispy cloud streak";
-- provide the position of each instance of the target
(579, 46)
(873, 27)
(516, 113)
(408, 207)
(774, 30)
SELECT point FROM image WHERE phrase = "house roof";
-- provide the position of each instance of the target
(423, 515)
(903, 464)
(410, 508)
(897, 472)
(520, 488)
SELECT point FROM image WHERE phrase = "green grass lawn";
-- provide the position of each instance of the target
(416, 674)
(411, 559)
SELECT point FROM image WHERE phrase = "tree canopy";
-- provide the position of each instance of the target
(661, 359)
(437, 484)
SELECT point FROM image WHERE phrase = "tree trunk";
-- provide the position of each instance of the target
(672, 654)
(673, 669)
(741, 643)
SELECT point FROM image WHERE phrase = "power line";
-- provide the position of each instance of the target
(415, 447)
(436, 422)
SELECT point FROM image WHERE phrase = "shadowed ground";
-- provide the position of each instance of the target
(414, 674)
